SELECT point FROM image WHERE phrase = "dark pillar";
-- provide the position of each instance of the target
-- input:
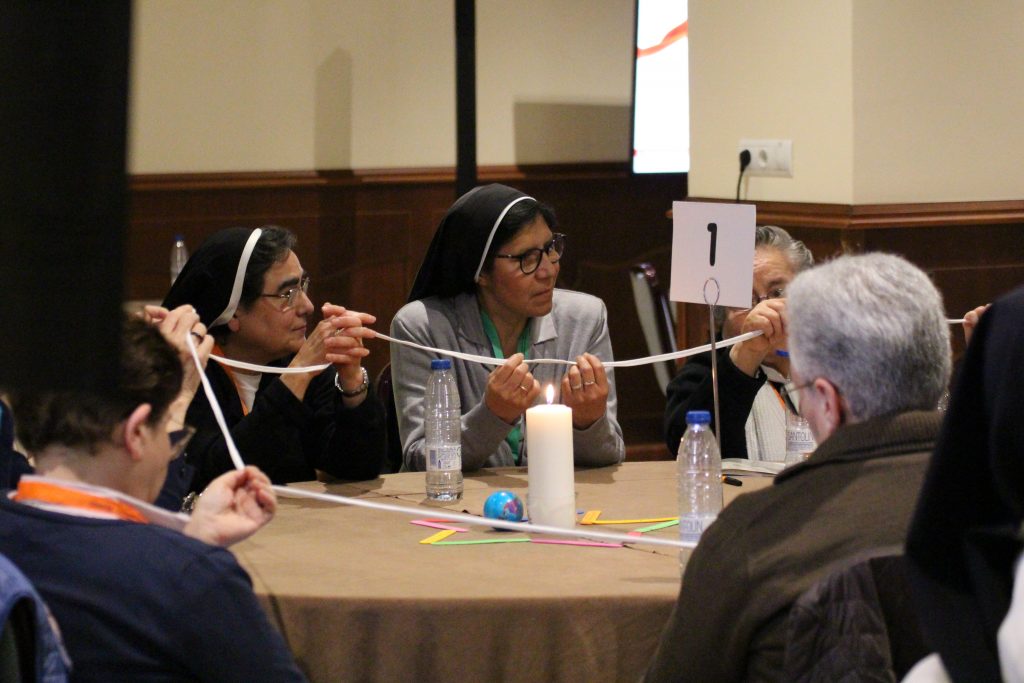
(63, 113)
(465, 95)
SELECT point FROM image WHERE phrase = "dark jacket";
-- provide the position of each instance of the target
(856, 624)
(963, 541)
(138, 602)
(691, 389)
(287, 438)
(26, 616)
(12, 463)
(768, 547)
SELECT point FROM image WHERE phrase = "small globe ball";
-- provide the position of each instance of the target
(504, 505)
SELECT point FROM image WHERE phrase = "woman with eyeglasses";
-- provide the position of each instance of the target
(250, 290)
(487, 287)
(752, 375)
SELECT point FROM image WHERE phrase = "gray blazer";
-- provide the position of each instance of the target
(577, 324)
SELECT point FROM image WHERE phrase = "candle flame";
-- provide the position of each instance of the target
(550, 393)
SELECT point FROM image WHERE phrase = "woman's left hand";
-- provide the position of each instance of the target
(585, 390)
(232, 508)
(343, 345)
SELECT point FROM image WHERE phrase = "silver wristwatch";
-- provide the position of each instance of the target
(358, 390)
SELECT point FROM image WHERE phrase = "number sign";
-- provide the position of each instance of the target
(713, 240)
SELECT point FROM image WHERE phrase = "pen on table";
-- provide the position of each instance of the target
(732, 481)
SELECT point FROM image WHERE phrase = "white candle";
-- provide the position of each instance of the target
(552, 496)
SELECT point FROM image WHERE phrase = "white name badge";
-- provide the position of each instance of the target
(712, 240)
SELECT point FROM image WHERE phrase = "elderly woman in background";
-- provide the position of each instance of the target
(751, 374)
(487, 287)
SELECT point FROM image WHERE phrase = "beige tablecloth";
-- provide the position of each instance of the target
(357, 597)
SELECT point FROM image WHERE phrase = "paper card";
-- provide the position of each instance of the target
(713, 240)
(588, 544)
(439, 536)
(436, 525)
(483, 541)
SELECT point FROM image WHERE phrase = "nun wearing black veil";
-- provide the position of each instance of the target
(965, 537)
(487, 287)
(249, 289)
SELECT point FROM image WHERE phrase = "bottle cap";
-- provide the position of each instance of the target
(698, 417)
(441, 364)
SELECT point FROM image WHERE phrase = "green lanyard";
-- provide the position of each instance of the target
(515, 437)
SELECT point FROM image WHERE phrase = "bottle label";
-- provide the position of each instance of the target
(799, 439)
(692, 526)
(444, 458)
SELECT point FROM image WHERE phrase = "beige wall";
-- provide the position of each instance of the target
(778, 69)
(240, 85)
(554, 80)
(913, 101)
(910, 101)
(938, 100)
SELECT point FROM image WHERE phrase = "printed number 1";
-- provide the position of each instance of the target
(713, 229)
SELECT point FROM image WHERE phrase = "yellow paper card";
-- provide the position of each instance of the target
(439, 536)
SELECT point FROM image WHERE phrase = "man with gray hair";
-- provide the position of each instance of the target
(870, 357)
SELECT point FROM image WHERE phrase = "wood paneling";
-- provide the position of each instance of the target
(363, 234)
(974, 251)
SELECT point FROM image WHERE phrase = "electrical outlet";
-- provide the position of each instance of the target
(769, 157)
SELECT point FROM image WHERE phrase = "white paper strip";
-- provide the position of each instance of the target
(577, 532)
(488, 360)
(215, 406)
(417, 511)
(242, 365)
(236, 458)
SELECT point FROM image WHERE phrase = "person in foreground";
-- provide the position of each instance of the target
(487, 287)
(250, 291)
(965, 538)
(870, 356)
(751, 374)
(139, 593)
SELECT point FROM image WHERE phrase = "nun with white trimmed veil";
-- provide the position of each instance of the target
(487, 287)
(250, 290)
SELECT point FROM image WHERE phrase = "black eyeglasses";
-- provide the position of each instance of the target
(777, 293)
(529, 260)
(179, 439)
(792, 387)
(291, 296)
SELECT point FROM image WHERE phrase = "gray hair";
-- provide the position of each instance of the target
(874, 326)
(795, 251)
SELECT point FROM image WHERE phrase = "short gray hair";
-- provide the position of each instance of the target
(874, 326)
(795, 251)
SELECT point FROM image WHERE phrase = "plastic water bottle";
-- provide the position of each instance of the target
(700, 477)
(179, 255)
(799, 439)
(443, 424)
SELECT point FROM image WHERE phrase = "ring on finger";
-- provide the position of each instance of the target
(524, 387)
(576, 387)
(587, 383)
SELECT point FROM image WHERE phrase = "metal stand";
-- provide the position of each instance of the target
(714, 354)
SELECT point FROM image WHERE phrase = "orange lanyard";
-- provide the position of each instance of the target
(785, 408)
(55, 494)
(231, 375)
